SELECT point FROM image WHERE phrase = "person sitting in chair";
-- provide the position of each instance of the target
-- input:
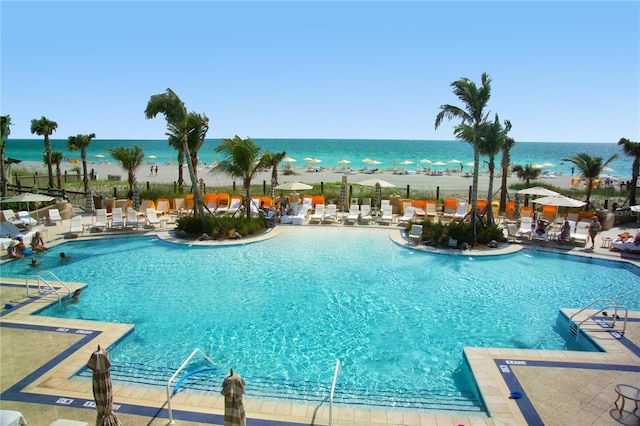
(565, 232)
(541, 228)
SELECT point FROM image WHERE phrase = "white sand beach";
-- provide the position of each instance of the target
(450, 184)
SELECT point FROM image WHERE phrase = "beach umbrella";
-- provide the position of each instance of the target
(559, 201)
(102, 388)
(344, 161)
(307, 159)
(367, 160)
(232, 389)
(294, 186)
(375, 162)
(153, 157)
(547, 165)
(28, 197)
(289, 160)
(607, 169)
(439, 163)
(374, 182)
(454, 161)
(135, 198)
(406, 162)
(99, 156)
(537, 166)
(538, 190)
(469, 164)
(425, 161)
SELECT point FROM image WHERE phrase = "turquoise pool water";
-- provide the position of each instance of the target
(280, 312)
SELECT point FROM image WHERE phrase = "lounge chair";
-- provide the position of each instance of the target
(581, 233)
(132, 219)
(10, 231)
(461, 212)
(178, 206)
(100, 220)
(432, 210)
(255, 206)
(415, 234)
(387, 214)
(365, 214)
(189, 204)
(144, 205)
(512, 232)
(301, 216)
(10, 216)
(236, 204)
(525, 229)
(152, 218)
(354, 214)
(26, 218)
(407, 216)
(549, 213)
(318, 213)
(509, 212)
(541, 232)
(330, 213)
(449, 209)
(76, 225)
(117, 219)
(54, 216)
(526, 211)
(162, 206)
(211, 201)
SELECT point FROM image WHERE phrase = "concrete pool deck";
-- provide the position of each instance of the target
(39, 355)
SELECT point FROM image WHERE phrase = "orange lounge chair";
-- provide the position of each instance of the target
(162, 206)
(449, 208)
(526, 211)
(211, 201)
(549, 213)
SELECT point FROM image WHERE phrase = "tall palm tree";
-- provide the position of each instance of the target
(243, 160)
(632, 149)
(272, 160)
(493, 137)
(507, 145)
(56, 158)
(196, 140)
(178, 123)
(590, 168)
(175, 141)
(130, 159)
(45, 127)
(5, 131)
(475, 101)
(81, 142)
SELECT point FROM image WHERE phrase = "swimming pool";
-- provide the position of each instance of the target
(280, 312)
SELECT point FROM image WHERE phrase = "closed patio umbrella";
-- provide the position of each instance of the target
(135, 198)
(516, 207)
(232, 389)
(378, 196)
(102, 389)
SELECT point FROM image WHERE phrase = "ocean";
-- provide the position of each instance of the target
(330, 151)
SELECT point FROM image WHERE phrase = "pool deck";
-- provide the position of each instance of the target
(40, 354)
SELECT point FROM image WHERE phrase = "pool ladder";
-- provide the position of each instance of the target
(337, 371)
(608, 323)
(44, 286)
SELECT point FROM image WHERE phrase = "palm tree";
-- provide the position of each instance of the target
(493, 137)
(56, 158)
(130, 159)
(175, 141)
(5, 131)
(632, 149)
(45, 127)
(590, 168)
(196, 140)
(507, 145)
(527, 173)
(179, 125)
(272, 160)
(243, 160)
(81, 142)
(475, 101)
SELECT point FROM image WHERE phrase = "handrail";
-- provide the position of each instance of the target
(613, 304)
(47, 285)
(182, 366)
(333, 388)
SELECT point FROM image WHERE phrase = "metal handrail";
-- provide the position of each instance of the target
(333, 389)
(612, 304)
(182, 366)
(46, 284)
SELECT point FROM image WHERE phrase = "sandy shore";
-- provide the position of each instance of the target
(448, 183)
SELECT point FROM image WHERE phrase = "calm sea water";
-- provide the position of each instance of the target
(330, 151)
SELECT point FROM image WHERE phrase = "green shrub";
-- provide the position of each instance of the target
(221, 227)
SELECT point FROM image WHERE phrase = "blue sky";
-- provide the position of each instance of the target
(561, 71)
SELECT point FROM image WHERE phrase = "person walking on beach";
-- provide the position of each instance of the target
(594, 228)
(156, 170)
(151, 173)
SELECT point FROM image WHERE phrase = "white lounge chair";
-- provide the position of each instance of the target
(318, 214)
(76, 225)
(10, 216)
(330, 213)
(26, 218)
(117, 219)
(409, 213)
(354, 214)
(54, 216)
(432, 212)
(581, 233)
(152, 218)
(365, 213)
(132, 219)
(461, 211)
(512, 232)
(525, 230)
(415, 234)
(100, 220)
(387, 214)
(300, 217)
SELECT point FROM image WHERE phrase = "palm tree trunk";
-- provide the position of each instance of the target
(197, 200)
(85, 177)
(47, 147)
(490, 194)
(504, 166)
(59, 175)
(634, 181)
(247, 205)
(180, 164)
(474, 191)
(3, 180)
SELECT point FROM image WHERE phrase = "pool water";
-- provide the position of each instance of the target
(281, 311)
